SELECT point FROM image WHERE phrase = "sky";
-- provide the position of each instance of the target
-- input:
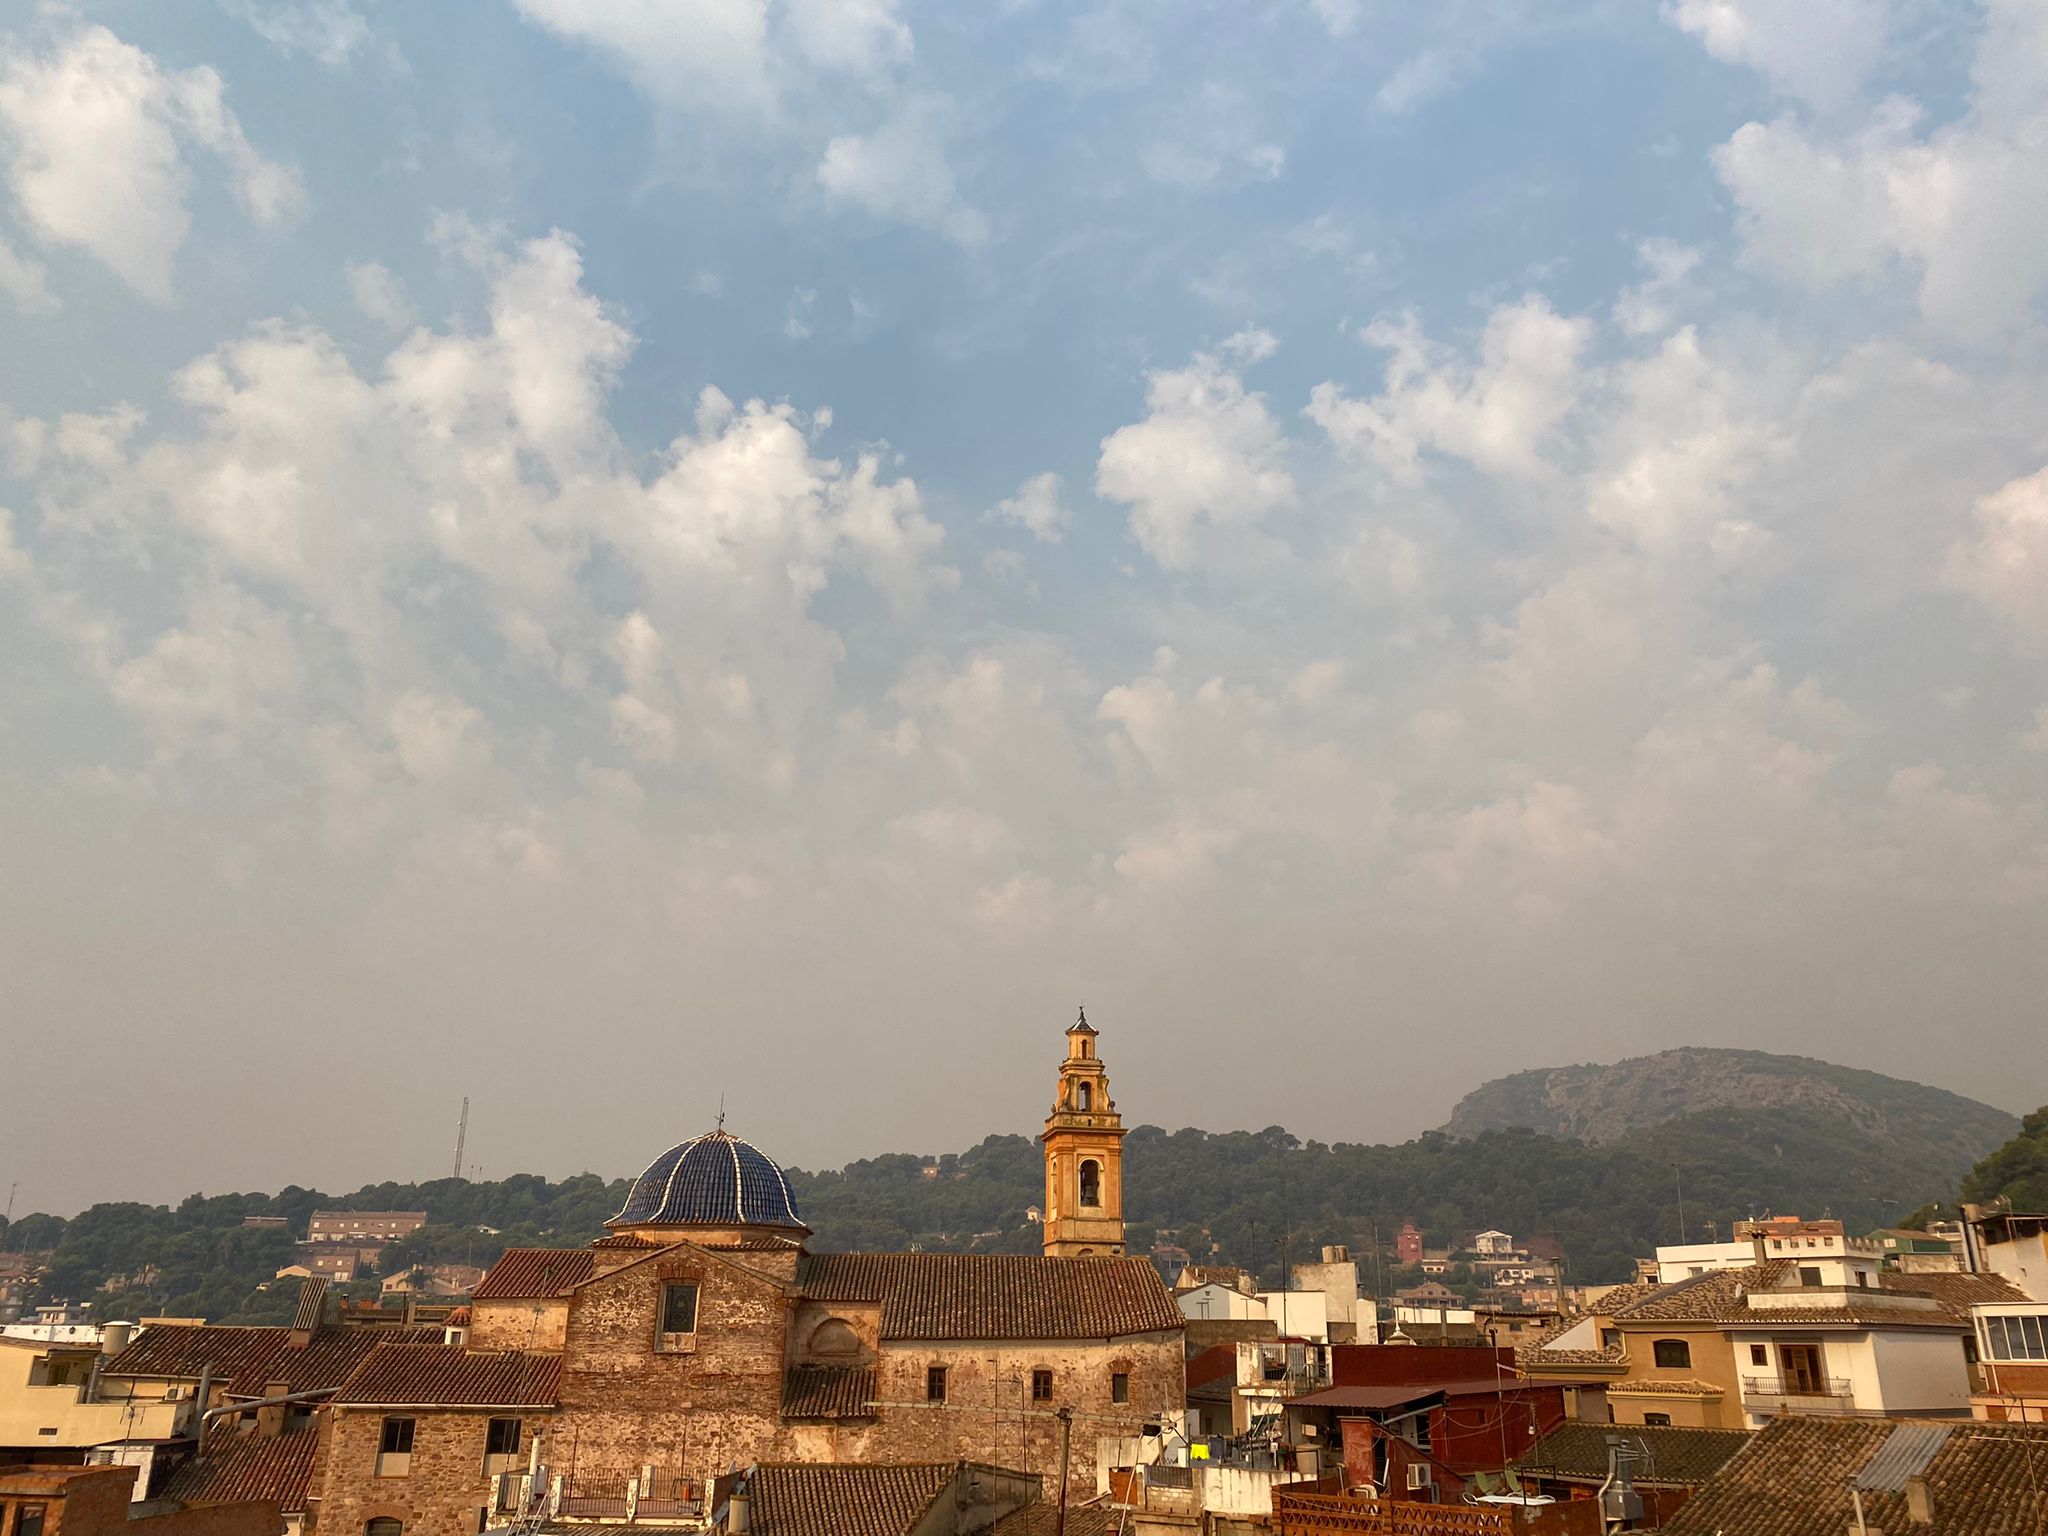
(613, 557)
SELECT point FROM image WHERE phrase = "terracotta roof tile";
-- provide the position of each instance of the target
(1098, 1517)
(1792, 1480)
(235, 1467)
(825, 1500)
(997, 1296)
(828, 1392)
(530, 1272)
(439, 1376)
(1732, 1296)
(246, 1360)
(1672, 1457)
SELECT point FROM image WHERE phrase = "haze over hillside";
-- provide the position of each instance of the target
(1596, 1104)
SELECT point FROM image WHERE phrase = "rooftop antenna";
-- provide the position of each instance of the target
(721, 1114)
(461, 1135)
(9, 1218)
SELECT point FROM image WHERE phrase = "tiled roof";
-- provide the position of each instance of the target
(1957, 1292)
(1672, 1456)
(1098, 1517)
(1734, 1296)
(997, 1295)
(312, 1309)
(1792, 1480)
(249, 1466)
(435, 1375)
(826, 1500)
(246, 1360)
(713, 1180)
(528, 1272)
(625, 1240)
(828, 1392)
(1665, 1386)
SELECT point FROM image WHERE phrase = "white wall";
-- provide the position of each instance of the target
(1922, 1371)
(2024, 1263)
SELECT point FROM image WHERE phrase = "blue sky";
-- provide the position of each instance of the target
(600, 554)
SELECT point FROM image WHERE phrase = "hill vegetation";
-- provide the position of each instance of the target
(1867, 1149)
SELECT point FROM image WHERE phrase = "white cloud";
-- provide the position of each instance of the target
(857, 36)
(1646, 309)
(1036, 507)
(24, 281)
(94, 135)
(1213, 139)
(331, 31)
(1496, 413)
(1957, 207)
(898, 173)
(213, 678)
(380, 296)
(438, 739)
(2004, 565)
(704, 52)
(1337, 16)
(1819, 51)
(1423, 77)
(1250, 347)
(733, 57)
(1207, 464)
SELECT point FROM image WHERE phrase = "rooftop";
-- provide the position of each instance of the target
(438, 1376)
(1673, 1457)
(249, 1466)
(1792, 1479)
(248, 1359)
(996, 1295)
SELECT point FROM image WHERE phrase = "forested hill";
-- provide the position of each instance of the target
(1234, 1197)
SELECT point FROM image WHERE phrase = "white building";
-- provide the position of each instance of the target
(1824, 1252)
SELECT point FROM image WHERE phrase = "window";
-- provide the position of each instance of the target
(1758, 1355)
(30, 1521)
(1809, 1274)
(1091, 1183)
(679, 1308)
(501, 1438)
(935, 1384)
(1656, 1419)
(1119, 1386)
(1609, 1337)
(1672, 1354)
(2017, 1337)
(384, 1527)
(1084, 1098)
(1041, 1386)
(394, 1448)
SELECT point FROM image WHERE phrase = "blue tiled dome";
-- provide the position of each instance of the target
(716, 1180)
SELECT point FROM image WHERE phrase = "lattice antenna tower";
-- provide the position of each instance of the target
(461, 1135)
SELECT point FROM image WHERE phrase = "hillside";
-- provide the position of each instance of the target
(2018, 1171)
(1737, 1132)
(1594, 1103)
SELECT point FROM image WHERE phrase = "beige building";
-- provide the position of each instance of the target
(1733, 1349)
(701, 1337)
(52, 1408)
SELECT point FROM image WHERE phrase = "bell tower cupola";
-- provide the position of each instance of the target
(1084, 1160)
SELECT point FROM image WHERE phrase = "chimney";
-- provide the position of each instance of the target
(739, 1514)
(1919, 1501)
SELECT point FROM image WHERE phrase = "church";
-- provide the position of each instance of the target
(701, 1335)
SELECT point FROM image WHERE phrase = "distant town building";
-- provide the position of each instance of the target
(363, 1226)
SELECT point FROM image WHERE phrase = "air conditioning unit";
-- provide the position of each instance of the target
(174, 1394)
(1419, 1476)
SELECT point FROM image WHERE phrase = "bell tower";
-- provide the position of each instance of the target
(1084, 1158)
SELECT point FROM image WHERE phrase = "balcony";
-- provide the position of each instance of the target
(1815, 1394)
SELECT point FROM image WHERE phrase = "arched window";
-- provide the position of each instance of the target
(384, 1525)
(835, 1338)
(1084, 1098)
(1091, 1183)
